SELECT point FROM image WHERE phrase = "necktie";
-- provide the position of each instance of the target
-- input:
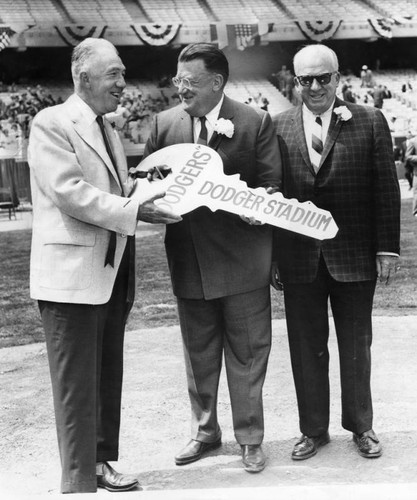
(112, 242)
(317, 144)
(202, 138)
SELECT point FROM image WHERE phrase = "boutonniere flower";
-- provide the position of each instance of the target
(224, 127)
(342, 113)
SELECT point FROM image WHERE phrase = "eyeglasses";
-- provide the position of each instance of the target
(185, 82)
(307, 80)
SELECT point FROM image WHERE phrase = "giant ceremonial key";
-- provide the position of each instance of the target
(197, 179)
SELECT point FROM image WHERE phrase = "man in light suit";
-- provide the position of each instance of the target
(220, 263)
(82, 263)
(339, 156)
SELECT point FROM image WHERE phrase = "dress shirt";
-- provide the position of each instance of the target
(211, 118)
(308, 121)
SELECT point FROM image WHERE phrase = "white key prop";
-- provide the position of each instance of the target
(197, 179)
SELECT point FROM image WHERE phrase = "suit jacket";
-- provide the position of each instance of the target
(77, 201)
(216, 254)
(357, 183)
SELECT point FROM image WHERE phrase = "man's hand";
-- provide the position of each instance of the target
(386, 267)
(251, 220)
(149, 212)
(152, 174)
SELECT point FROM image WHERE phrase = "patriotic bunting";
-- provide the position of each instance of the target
(382, 27)
(156, 34)
(73, 35)
(5, 34)
(319, 30)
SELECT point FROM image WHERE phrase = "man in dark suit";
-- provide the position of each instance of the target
(83, 263)
(411, 162)
(339, 156)
(220, 263)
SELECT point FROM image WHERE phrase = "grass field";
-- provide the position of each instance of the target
(155, 305)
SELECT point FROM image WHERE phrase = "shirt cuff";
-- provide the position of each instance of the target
(392, 254)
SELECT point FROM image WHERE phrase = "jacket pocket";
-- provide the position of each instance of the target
(67, 260)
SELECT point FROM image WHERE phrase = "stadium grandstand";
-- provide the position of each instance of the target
(259, 38)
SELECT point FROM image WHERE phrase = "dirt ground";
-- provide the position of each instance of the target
(156, 415)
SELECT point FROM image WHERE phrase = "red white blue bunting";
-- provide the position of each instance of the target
(382, 27)
(73, 35)
(319, 30)
(156, 34)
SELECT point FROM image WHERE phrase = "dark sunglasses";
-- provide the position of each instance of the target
(307, 80)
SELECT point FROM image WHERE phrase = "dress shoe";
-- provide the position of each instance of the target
(253, 457)
(307, 447)
(368, 444)
(194, 450)
(111, 480)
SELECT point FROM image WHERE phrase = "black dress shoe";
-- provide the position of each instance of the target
(368, 444)
(307, 447)
(253, 457)
(194, 450)
(111, 480)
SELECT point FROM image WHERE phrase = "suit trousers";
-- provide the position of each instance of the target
(85, 353)
(306, 307)
(238, 326)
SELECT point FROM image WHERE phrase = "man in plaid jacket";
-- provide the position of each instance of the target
(339, 156)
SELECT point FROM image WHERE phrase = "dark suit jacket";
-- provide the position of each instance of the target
(357, 183)
(216, 254)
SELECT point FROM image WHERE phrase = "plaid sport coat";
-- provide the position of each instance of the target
(356, 182)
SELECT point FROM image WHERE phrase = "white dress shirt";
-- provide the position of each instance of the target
(308, 121)
(211, 118)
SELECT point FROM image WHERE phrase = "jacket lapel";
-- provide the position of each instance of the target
(90, 134)
(300, 137)
(226, 112)
(334, 129)
(186, 127)
(118, 153)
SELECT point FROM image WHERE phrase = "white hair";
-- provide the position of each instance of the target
(83, 53)
(313, 51)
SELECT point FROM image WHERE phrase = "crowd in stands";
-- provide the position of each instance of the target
(141, 101)
(17, 109)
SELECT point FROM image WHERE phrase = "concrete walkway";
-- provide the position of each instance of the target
(155, 425)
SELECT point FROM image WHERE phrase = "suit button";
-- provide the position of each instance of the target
(123, 235)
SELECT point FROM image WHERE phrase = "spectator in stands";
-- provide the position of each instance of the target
(220, 263)
(367, 78)
(289, 85)
(344, 269)
(264, 104)
(363, 76)
(282, 77)
(408, 164)
(378, 96)
(411, 159)
(347, 93)
(82, 264)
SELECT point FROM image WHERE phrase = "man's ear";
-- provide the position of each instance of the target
(85, 79)
(218, 82)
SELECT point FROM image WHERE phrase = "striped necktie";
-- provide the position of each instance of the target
(317, 144)
(202, 138)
